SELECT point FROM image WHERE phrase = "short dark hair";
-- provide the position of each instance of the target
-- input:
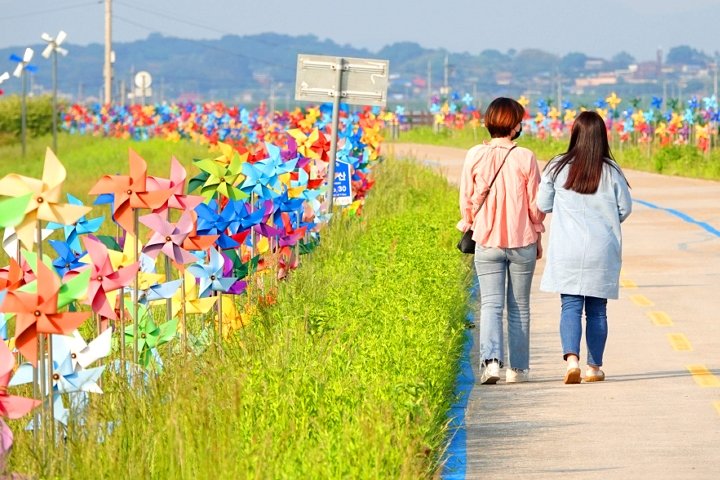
(502, 115)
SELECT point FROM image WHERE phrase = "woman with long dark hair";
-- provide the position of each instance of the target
(589, 197)
(506, 229)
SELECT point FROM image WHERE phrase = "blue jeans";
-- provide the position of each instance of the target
(505, 273)
(596, 327)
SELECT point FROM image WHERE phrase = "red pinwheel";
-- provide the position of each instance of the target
(130, 192)
(168, 238)
(37, 312)
(104, 278)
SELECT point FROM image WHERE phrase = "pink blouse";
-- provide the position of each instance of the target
(510, 217)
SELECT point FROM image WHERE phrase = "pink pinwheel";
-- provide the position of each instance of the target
(176, 185)
(168, 238)
(130, 192)
(104, 278)
(11, 406)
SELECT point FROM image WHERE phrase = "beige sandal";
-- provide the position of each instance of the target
(572, 375)
(594, 376)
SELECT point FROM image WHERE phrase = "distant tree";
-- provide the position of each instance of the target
(622, 60)
(685, 55)
(532, 62)
(573, 62)
(402, 51)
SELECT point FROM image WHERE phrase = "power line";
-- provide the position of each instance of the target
(51, 10)
(212, 47)
(165, 15)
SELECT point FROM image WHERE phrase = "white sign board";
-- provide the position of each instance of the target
(364, 81)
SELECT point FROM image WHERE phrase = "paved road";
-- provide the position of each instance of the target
(658, 414)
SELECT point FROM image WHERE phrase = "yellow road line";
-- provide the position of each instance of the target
(641, 301)
(660, 319)
(703, 377)
(717, 406)
(679, 342)
(626, 283)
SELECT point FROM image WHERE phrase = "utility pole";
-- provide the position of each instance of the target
(559, 92)
(429, 83)
(107, 69)
(447, 68)
(715, 79)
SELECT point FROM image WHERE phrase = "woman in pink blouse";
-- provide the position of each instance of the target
(507, 232)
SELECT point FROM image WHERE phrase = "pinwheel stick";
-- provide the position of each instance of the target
(168, 302)
(136, 288)
(220, 319)
(184, 312)
(121, 328)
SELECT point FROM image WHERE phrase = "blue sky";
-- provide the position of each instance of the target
(598, 28)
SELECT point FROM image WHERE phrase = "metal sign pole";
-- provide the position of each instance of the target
(335, 122)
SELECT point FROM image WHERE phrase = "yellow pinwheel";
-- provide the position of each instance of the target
(613, 100)
(46, 197)
(305, 142)
(524, 101)
(193, 304)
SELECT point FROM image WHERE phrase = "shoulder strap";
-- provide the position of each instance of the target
(500, 168)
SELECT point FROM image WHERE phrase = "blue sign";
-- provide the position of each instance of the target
(342, 188)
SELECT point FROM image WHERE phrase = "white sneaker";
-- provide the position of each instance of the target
(515, 375)
(490, 374)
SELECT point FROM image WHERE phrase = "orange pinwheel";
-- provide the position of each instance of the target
(37, 312)
(46, 196)
(131, 192)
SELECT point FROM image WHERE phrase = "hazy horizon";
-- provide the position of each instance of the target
(600, 29)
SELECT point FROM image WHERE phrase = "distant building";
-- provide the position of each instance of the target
(503, 78)
(604, 78)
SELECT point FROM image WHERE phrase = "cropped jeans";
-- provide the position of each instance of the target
(596, 327)
(505, 273)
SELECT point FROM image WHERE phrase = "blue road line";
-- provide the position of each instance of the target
(456, 454)
(682, 216)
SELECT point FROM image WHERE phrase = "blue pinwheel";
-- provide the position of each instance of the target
(210, 222)
(68, 260)
(82, 227)
(468, 99)
(159, 291)
(210, 274)
(656, 102)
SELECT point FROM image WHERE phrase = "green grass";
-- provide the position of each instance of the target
(349, 375)
(678, 160)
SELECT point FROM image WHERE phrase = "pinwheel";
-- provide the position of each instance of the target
(312, 145)
(159, 291)
(82, 226)
(210, 274)
(45, 203)
(68, 261)
(196, 241)
(150, 335)
(210, 222)
(130, 192)
(37, 312)
(104, 278)
(66, 379)
(613, 100)
(12, 210)
(168, 238)
(176, 186)
(11, 406)
(221, 179)
(192, 302)
(83, 354)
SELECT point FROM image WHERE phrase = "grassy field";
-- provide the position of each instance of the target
(349, 375)
(680, 160)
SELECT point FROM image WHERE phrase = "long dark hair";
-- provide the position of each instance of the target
(587, 154)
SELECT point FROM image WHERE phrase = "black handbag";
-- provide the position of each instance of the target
(466, 243)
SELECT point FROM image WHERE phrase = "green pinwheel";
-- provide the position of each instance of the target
(220, 178)
(150, 335)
